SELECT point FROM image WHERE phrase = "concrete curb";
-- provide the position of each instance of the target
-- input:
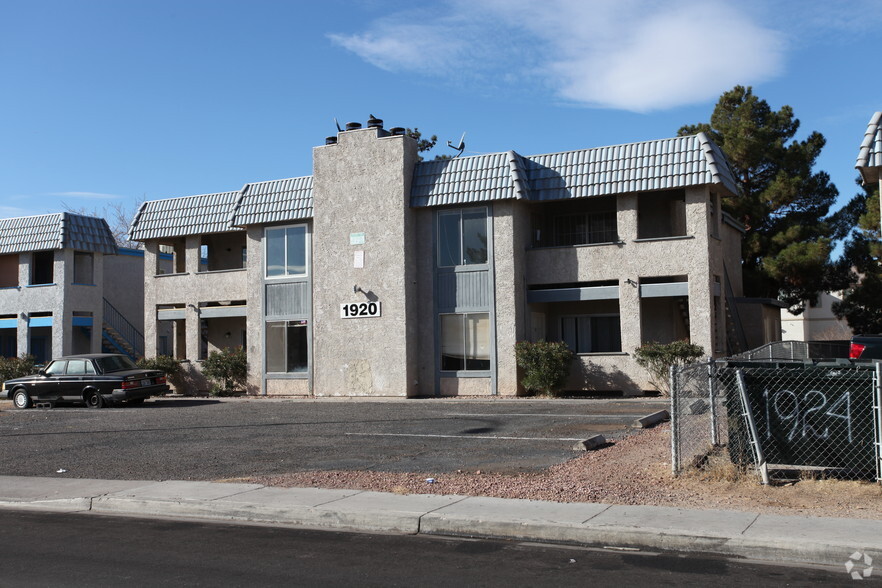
(814, 540)
(652, 419)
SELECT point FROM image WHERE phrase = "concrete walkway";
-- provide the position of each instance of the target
(827, 541)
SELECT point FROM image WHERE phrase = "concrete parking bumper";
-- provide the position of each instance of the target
(826, 541)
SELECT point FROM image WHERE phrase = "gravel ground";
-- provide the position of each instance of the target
(635, 470)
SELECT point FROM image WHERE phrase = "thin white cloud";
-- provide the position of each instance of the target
(86, 195)
(636, 55)
(14, 211)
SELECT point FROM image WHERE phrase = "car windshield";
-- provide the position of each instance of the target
(115, 363)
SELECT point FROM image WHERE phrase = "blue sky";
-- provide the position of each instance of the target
(110, 102)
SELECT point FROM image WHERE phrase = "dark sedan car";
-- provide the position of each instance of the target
(96, 380)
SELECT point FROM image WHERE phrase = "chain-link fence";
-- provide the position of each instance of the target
(778, 416)
(783, 350)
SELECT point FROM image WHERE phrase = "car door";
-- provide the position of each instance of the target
(50, 385)
(72, 380)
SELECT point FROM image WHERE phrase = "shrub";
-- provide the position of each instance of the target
(170, 366)
(16, 367)
(658, 358)
(546, 364)
(227, 369)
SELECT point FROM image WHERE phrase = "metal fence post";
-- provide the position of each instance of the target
(751, 429)
(877, 430)
(675, 422)
(712, 394)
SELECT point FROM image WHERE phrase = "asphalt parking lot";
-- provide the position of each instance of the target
(209, 439)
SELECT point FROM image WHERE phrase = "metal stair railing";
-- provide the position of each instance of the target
(123, 328)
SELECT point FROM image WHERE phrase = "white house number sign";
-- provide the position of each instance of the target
(360, 310)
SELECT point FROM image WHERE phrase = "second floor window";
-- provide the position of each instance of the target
(286, 251)
(83, 264)
(584, 228)
(462, 237)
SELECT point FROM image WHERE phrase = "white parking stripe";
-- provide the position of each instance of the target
(465, 437)
(574, 416)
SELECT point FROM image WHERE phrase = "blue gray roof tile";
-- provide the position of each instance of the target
(61, 230)
(870, 153)
(178, 217)
(636, 167)
(262, 203)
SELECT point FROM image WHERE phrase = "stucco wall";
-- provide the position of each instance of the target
(124, 285)
(628, 263)
(362, 185)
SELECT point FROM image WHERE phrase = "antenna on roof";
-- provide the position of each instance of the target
(339, 130)
(460, 147)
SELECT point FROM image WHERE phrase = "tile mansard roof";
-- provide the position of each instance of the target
(273, 201)
(256, 203)
(178, 217)
(870, 154)
(636, 167)
(61, 230)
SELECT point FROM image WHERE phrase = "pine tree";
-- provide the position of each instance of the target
(784, 203)
(862, 260)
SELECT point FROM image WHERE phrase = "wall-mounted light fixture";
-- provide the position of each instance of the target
(632, 282)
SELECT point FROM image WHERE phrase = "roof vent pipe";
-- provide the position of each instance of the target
(353, 126)
(331, 140)
(374, 122)
(397, 130)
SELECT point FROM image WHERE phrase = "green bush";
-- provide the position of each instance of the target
(227, 369)
(658, 358)
(16, 367)
(170, 366)
(546, 365)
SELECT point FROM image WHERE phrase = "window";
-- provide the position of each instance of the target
(286, 251)
(661, 214)
(43, 267)
(79, 367)
(465, 342)
(8, 271)
(592, 333)
(584, 228)
(56, 368)
(83, 263)
(286, 347)
(462, 237)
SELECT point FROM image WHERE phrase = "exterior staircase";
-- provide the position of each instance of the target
(119, 335)
(736, 340)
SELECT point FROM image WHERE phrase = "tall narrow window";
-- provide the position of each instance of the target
(286, 347)
(286, 251)
(465, 342)
(83, 264)
(462, 237)
(43, 267)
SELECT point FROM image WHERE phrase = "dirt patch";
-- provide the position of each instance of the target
(635, 470)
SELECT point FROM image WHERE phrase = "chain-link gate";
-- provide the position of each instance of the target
(779, 416)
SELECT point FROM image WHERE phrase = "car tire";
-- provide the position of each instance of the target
(21, 399)
(95, 400)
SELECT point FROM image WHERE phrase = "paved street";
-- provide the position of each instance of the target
(111, 551)
(207, 439)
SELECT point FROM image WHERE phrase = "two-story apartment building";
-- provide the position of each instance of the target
(65, 288)
(381, 274)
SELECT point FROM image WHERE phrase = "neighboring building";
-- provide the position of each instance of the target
(817, 322)
(869, 160)
(383, 275)
(65, 288)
